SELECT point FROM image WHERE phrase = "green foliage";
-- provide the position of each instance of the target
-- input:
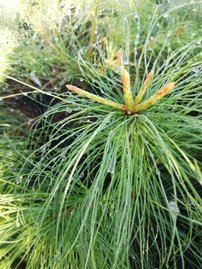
(89, 186)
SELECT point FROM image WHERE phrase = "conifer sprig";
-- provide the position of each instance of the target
(131, 105)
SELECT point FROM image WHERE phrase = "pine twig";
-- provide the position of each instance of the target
(153, 99)
(142, 91)
(95, 98)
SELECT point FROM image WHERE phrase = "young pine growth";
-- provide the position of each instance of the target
(131, 105)
(142, 91)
